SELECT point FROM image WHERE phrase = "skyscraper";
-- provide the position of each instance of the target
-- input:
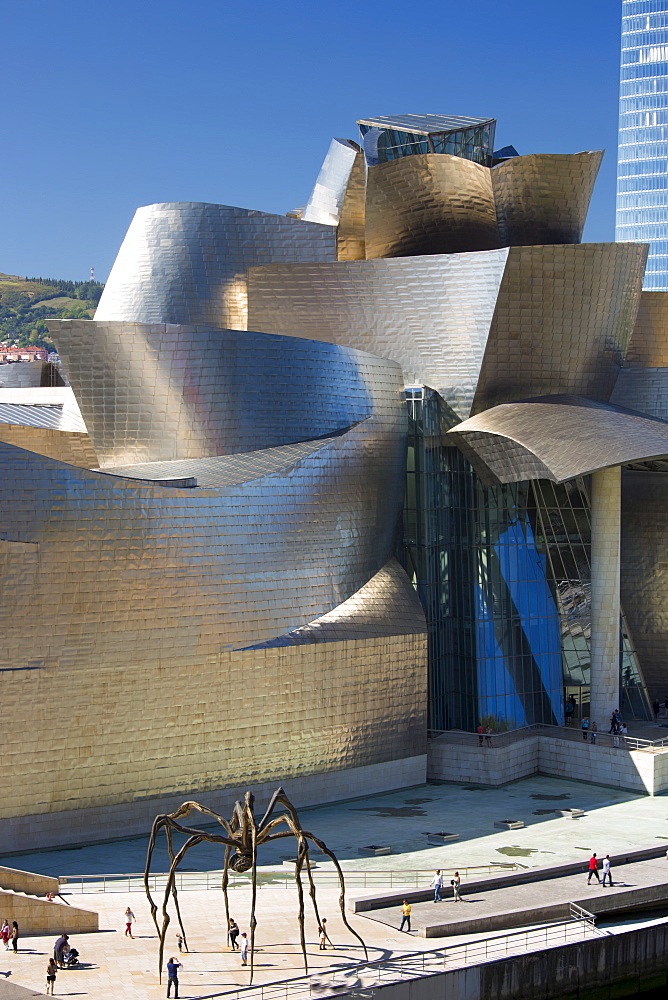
(642, 168)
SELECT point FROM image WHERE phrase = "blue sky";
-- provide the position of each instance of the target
(110, 106)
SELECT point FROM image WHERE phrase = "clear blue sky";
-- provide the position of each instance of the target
(106, 107)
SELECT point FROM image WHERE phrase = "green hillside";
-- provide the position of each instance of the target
(25, 304)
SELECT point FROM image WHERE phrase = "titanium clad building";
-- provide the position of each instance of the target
(642, 172)
(335, 478)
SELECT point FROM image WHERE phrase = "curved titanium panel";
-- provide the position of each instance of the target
(65, 446)
(430, 203)
(644, 390)
(562, 322)
(193, 392)
(259, 557)
(186, 262)
(338, 198)
(387, 605)
(644, 578)
(544, 198)
(649, 341)
(556, 438)
(429, 314)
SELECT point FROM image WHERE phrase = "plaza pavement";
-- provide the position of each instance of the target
(116, 966)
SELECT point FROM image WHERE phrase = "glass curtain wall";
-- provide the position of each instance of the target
(642, 168)
(381, 145)
(504, 576)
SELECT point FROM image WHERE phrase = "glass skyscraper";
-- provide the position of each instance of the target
(642, 169)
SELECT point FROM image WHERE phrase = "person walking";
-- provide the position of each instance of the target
(488, 736)
(584, 726)
(594, 731)
(607, 870)
(406, 915)
(656, 708)
(481, 732)
(129, 918)
(569, 708)
(51, 970)
(593, 869)
(179, 942)
(5, 931)
(455, 883)
(324, 937)
(15, 936)
(173, 976)
(244, 948)
(233, 934)
(437, 883)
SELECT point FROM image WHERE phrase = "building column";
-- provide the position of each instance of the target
(606, 501)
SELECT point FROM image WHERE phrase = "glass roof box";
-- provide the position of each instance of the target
(405, 135)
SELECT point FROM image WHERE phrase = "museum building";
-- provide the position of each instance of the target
(392, 464)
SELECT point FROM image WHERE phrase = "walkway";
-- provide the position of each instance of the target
(530, 903)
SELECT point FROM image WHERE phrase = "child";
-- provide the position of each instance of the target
(51, 976)
(179, 942)
(324, 937)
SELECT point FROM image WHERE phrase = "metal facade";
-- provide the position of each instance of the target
(187, 262)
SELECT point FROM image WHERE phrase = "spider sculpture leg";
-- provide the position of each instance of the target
(302, 855)
(223, 886)
(253, 921)
(295, 825)
(170, 849)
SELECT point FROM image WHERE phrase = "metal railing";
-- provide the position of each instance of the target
(284, 877)
(362, 979)
(456, 736)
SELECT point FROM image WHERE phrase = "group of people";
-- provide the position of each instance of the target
(437, 883)
(484, 734)
(592, 871)
(10, 935)
(617, 728)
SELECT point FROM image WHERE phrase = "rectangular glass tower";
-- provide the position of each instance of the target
(642, 165)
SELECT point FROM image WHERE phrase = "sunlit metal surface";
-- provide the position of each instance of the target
(338, 196)
(430, 314)
(556, 438)
(544, 198)
(649, 341)
(562, 323)
(193, 391)
(467, 324)
(186, 262)
(428, 204)
(644, 577)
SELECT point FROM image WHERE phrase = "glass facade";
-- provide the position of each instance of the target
(383, 144)
(642, 169)
(504, 576)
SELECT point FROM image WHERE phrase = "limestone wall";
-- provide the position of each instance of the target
(636, 770)
(39, 916)
(20, 881)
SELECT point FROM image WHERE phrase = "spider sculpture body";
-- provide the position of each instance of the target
(241, 836)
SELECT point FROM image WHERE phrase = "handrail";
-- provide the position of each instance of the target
(365, 976)
(558, 732)
(370, 878)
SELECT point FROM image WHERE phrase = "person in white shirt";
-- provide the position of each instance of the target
(244, 948)
(607, 870)
(129, 918)
(437, 883)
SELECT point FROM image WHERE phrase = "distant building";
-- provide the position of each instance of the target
(642, 167)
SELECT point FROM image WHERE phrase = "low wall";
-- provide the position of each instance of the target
(19, 881)
(643, 771)
(39, 916)
(81, 826)
(600, 968)
(360, 904)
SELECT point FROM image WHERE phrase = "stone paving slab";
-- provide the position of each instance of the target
(532, 902)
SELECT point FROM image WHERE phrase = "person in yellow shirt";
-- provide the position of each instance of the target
(406, 918)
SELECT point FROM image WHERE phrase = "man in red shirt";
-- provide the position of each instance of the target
(593, 869)
(481, 732)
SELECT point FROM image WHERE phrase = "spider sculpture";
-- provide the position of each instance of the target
(242, 836)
